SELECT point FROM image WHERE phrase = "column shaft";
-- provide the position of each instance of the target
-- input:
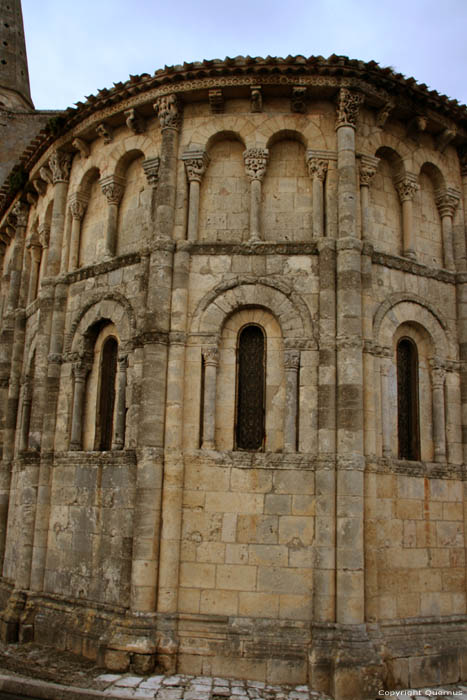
(210, 355)
(118, 442)
(439, 416)
(292, 364)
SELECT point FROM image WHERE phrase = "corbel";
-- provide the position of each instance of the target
(256, 96)
(105, 131)
(298, 99)
(81, 146)
(134, 121)
(444, 138)
(416, 126)
(40, 186)
(383, 114)
(216, 100)
(46, 174)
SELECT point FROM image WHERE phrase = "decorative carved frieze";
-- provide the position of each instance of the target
(196, 163)
(348, 106)
(298, 99)
(151, 170)
(81, 146)
(216, 101)
(383, 114)
(210, 355)
(134, 121)
(447, 200)
(113, 188)
(256, 96)
(60, 165)
(444, 138)
(256, 160)
(105, 131)
(406, 186)
(168, 110)
(367, 169)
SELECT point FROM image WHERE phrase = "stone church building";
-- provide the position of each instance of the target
(233, 373)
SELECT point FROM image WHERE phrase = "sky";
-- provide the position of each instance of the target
(76, 47)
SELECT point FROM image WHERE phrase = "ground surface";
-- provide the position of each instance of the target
(33, 671)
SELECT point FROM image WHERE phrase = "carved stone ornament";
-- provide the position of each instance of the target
(256, 160)
(462, 153)
(31, 198)
(113, 188)
(210, 355)
(417, 125)
(167, 108)
(438, 376)
(256, 98)
(383, 114)
(77, 206)
(105, 131)
(21, 212)
(60, 165)
(447, 201)
(80, 369)
(151, 170)
(134, 121)
(367, 170)
(196, 163)
(292, 359)
(347, 107)
(82, 147)
(298, 100)
(406, 187)
(216, 101)
(317, 167)
(44, 233)
(46, 176)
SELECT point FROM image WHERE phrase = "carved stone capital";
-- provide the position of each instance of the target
(210, 355)
(78, 204)
(81, 146)
(168, 110)
(21, 212)
(292, 360)
(406, 186)
(151, 170)
(447, 200)
(196, 163)
(105, 131)
(256, 96)
(438, 375)
(348, 106)
(122, 363)
(113, 187)
(80, 369)
(367, 169)
(216, 100)
(134, 121)
(60, 165)
(298, 99)
(317, 167)
(256, 160)
(44, 233)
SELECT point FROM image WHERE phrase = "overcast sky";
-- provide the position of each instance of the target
(77, 46)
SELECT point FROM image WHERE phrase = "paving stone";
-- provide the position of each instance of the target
(128, 682)
(172, 680)
(152, 682)
(109, 677)
(144, 692)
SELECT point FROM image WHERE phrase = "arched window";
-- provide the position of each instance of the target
(108, 372)
(249, 425)
(407, 400)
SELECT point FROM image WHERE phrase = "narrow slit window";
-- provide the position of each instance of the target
(104, 431)
(250, 389)
(408, 427)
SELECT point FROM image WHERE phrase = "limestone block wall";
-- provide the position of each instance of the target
(170, 219)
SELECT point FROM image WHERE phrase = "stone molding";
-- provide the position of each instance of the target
(397, 263)
(247, 248)
(102, 267)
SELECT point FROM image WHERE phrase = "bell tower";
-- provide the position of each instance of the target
(15, 93)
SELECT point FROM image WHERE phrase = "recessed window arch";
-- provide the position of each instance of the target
(251, 373)
(408, 421)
